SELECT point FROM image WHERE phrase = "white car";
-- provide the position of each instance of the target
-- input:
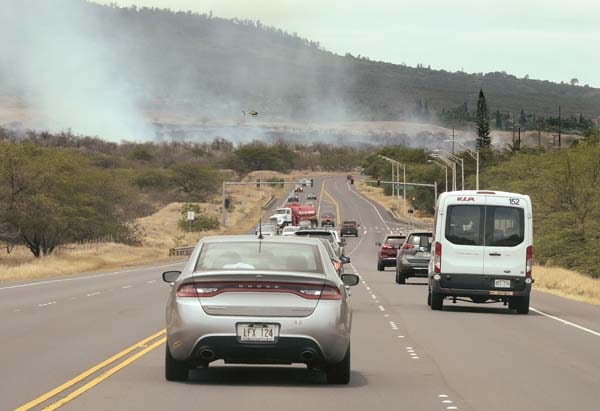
(482, 249)
(289, 230)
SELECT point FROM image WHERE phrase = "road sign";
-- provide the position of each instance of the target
(191, 216)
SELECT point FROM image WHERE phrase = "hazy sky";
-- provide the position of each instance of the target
(547, 39)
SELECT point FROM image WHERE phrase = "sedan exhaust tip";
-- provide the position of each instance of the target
(308, 355)
(207, 354)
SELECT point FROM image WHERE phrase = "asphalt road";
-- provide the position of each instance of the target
(404, 356)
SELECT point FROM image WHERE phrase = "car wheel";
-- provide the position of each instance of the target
(429, 297)
(174, 370)
(339, 373)
(437, 301)
(400, 278)
(522, 305)
(380, 266)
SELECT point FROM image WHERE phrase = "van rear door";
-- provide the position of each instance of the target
(506, 236)
(462, 245)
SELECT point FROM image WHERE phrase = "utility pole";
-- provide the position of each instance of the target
(453, 140)
(559, 129)
(519, 141)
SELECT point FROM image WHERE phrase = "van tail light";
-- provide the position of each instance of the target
(437, 258)
(308, 291)
(529, 262)
(407, 246)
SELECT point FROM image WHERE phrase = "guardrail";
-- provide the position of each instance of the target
(268, 203)
(180, 251)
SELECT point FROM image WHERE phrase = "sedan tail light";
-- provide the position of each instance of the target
(337, 265)
(437, 258)
(211, 289)
(387, 246)
(407, 246)
(529, 261)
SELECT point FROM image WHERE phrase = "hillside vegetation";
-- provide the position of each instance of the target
(209, 67)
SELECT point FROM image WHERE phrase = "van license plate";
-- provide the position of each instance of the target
(257, 332)
(502, 283)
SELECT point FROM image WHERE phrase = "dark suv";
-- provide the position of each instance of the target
(413, 256)
(386, 257)
(349, 228)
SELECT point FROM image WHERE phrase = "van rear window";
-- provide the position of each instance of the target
(492, 226)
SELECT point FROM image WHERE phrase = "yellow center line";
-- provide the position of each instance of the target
(44, 397)
(104, 376)
(337, 206)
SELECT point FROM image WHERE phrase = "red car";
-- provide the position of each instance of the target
(328, 220)
(388, 250)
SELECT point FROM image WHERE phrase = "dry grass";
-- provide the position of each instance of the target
(160, 233)
(397, 206)
(567, 283)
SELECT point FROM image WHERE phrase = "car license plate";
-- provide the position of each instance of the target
(502, 283)
(423, 254)
(257, 332)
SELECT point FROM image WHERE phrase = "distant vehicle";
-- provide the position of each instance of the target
(298, 189)
(349, 227)
(413, 256)
(328, 234)
(224, 307)
(266, 229)
(311, 196)
(293, 214)
(289, 230)
(388, 249)
(349, 177)
(305, 182)
(483, 249)
(293, 199)
(328, 219)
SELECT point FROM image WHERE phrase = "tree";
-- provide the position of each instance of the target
(483, 123)
(498, 120)
(574, 82)
(194, 181)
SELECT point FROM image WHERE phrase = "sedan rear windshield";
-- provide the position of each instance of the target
(260, 256)
(490, 226)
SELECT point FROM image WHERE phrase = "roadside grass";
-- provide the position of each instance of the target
(567, 283)
(554, 280)
(160, 233)
(395, 205)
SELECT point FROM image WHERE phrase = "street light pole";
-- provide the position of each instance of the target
(450, 163)
(475, 155)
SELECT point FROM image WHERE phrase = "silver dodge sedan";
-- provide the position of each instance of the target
(246, 300)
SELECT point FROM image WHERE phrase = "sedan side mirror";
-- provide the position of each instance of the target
(344, 259)
(171, 276)
(350, 279)
(378, 244)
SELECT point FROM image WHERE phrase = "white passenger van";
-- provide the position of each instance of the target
(482, 249)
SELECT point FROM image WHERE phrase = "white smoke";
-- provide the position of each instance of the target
(69, 75)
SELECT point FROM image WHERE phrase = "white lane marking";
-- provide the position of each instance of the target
(386, 315)
(368, 288)
(92, 294)
(356, 246)
(446, 402)
(442, 396)
(127, 286)
(45, 304)
(414, 358)
(17, 310)
(452, 408)
(373, 296)
(409, 348)
(88, 277)
(381, 308)
(376, 301)
(151, 281)
(596, 333)
(400, 336)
